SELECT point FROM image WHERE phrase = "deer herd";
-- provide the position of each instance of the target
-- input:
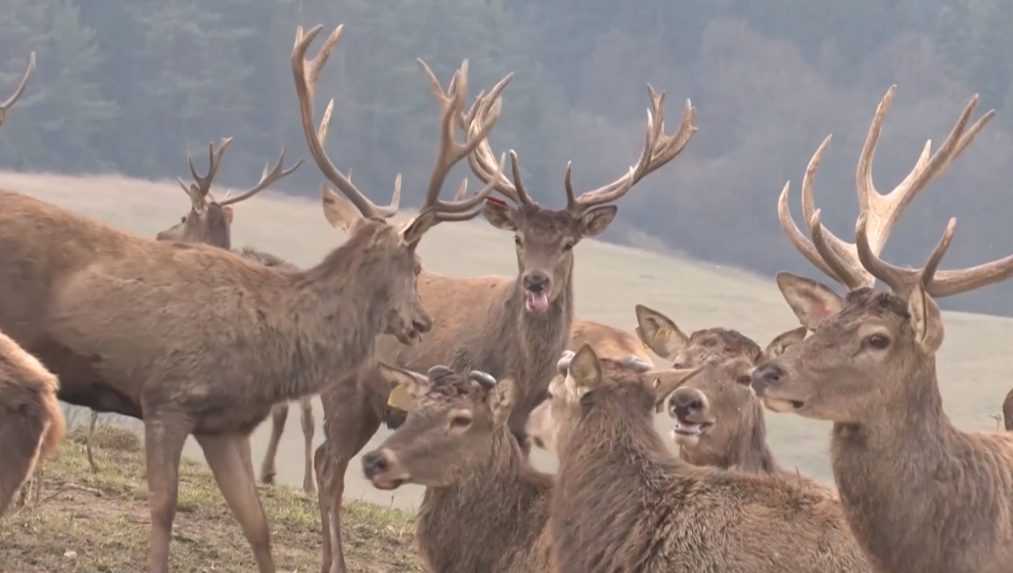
(194, 338)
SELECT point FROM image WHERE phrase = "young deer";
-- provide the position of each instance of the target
(622, 502)
(716, 420)
(510, 327)
(920, 495)
(485, 509)
(197, 340)
(210, 221)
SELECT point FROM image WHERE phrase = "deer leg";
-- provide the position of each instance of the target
(247, 453)
(308, 423)
(279, 414)
(163, 441)
(350, 428)
(224, 454)
(87, 442)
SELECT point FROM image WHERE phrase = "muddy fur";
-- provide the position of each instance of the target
(623, 503)
(31, 421)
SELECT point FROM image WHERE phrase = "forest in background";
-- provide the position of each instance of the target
(130, 86)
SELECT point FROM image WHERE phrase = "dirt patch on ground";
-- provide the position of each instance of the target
(85, 522)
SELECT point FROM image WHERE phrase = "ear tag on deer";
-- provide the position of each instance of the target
(402, 399)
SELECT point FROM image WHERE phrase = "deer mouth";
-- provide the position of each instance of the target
(782, 405)
(687, 432)
(536, 302)
(387, 484)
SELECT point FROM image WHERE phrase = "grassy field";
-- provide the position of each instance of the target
(975, 365)
(96, 523)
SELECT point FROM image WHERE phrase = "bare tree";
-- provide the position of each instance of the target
(196, 340)
(510, 327)
(485, 508)
(622, 502)
(919, 494)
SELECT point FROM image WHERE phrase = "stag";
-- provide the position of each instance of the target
(510, 327)
(210, 221)
(485, 508)
(717, 420)
(197, 340)
(870, 368)
(616, 475)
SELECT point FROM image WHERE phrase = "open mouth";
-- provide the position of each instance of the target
(686, 428)
(783, 405)
(409, 337)
(536, 302)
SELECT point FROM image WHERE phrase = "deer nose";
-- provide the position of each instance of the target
(422, 323)
(688, 401)
(536, 281)
(374, 463)
(766, 376)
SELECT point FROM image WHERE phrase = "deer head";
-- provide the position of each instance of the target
(871, 349)
(449, 430)
(572, 393)
(545, 238)
(392, 250)
(209, 220)
(6, 106)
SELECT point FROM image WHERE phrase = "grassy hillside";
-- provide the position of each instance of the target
(975, 365)
(91, 523)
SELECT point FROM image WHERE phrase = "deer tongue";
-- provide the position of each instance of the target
(536, 302)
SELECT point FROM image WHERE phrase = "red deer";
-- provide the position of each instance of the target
(622, 502)
(210, 221)
(920, 495)
(510, 327)
(485, 509)
(197, 340)
(717, 420)
(607, 341)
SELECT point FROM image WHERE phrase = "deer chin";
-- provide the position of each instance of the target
(388, 483)
(536, 303)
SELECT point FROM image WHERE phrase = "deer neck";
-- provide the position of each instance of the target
(750, 451)
(497, 509)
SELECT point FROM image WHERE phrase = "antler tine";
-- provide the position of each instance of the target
(451, 151)
(20, 89)
(268, 177)
(798, 238)
(215, 154)
(483, 160)
(462, 194)
(659, 149)
(903, 279)
(305, 72)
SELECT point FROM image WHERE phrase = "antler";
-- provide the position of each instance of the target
(480, 119)
(268, 177)
(199, 189)
(306, 72)
(878, 212)
(6, 105)
(659, 149)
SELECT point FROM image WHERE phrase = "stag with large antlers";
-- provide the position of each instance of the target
(510, 327)
(919, 494)
(197, 340)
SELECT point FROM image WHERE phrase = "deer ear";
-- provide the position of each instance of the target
(926, 320)
(811, 301)
(230, 214)
(584, 368)
(340, 212)
(595, 220)
(499, 215)
(407, 386)
(501, 401)
(782, 341)
(659, 333)
(664, 382)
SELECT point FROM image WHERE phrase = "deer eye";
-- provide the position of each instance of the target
(518, 241)
(182, 219)
(567, 246)
(744, 380)
(877, 341)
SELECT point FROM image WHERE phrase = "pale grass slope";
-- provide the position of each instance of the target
(976, 367)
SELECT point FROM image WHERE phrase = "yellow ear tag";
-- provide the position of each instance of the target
(401, 399)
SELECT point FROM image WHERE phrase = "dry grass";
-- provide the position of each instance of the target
(99, 523)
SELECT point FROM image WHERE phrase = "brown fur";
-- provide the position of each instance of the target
(212, 225)
(31, 421)
(623, 503)
(607, 341)
(920, 495)
(485, 509)
(1007, 410)
(193, 338)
